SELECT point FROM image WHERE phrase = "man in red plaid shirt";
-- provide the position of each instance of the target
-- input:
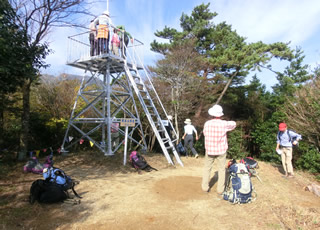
(216, 144)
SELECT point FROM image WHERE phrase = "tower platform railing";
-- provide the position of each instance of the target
(80, 48)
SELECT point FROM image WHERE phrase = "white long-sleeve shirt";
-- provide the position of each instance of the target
(103, 20)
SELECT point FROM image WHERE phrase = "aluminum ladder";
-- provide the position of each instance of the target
(152, 113)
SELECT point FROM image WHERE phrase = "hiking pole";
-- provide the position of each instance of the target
(258, 178)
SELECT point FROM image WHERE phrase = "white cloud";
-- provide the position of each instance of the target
(271, 20)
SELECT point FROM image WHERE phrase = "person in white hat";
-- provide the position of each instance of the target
(103, 34)
(216, 145)
(189, 129)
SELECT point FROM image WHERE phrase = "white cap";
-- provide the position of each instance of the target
(106, 12)
(216, 111)
(169, 117)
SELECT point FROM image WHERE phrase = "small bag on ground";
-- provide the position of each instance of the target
(250, 162)
(138, 162)
(181, 150)
(251, 165)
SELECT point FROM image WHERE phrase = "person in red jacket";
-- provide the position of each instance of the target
(216, 145)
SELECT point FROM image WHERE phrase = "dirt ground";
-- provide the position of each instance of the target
(117, 197)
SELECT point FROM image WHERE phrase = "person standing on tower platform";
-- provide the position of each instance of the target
(92, 38)
(124, 40)
(115, 43)
(103, 35)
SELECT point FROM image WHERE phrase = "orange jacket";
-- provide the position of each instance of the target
(103, 31)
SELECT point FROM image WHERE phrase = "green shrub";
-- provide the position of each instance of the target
(309, 160)
(199, 146)
(237, 145)
(264, 137)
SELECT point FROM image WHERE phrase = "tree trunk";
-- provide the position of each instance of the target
(25, 118)
(1, 121)
(176, 112)
(151, 141)
(226, 87)
(199, 110)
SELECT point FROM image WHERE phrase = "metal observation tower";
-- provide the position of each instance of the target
(109, 89)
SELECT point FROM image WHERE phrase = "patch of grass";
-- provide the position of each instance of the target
(274, 226)
(9, 216)
(4, 202)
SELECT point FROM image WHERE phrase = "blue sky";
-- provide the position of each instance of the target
(270, 21)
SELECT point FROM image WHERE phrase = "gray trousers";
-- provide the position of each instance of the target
(188, 142)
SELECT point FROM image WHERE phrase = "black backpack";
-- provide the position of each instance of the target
(138, 162)
(44, 191)
(181, 150)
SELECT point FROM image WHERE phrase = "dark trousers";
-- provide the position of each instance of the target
(103, 46)
(92, 44)
(188, 142)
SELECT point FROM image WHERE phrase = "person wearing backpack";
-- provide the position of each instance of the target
(216, 145)
(103, 22)
(124, 40)
(286, 139)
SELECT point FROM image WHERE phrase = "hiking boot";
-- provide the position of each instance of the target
(196, 156)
